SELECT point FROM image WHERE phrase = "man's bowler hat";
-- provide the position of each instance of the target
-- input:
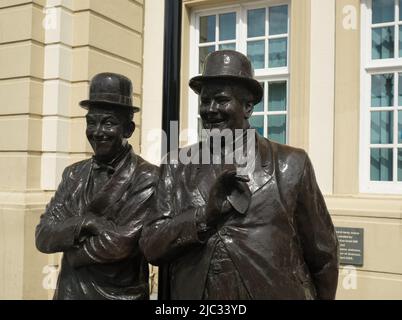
(230, 65)
(110, 89)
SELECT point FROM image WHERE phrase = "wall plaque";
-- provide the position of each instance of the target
(350, 245)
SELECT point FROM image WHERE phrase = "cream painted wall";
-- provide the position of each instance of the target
(322, 77)
(49, 50)
(152, 81)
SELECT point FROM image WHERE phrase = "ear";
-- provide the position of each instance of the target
(129, 129)
(248, 108)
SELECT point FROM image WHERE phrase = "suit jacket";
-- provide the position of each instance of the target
(109, 265)
(285, 247)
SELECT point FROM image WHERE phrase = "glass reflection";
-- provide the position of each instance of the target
(256, 53)
(381, 164)
(227, 26)
(382, 127)
(382, 90)
(227, 46)
(383, 11)
(277, 53)
(204, 51)
(277, 96)
(278, 20)
(256, 23)
(277, 128)
(383, 43)
(207, 29)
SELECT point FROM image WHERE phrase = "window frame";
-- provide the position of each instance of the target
(369, 67)
(263, 75)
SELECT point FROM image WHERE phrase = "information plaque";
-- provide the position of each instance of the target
(350, 245)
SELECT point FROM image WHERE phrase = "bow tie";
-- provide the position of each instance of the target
(103, 167)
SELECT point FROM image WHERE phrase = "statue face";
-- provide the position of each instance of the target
(106, 131)
(221, 108)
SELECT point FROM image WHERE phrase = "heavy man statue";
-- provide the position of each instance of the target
(221, 235)
(96, 215)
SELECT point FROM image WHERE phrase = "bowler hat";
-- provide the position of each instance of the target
(230, 65)
(110, 89)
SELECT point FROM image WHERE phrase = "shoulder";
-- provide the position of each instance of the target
(289, 161)
(76, 168)
(288, 153)
(145, 166)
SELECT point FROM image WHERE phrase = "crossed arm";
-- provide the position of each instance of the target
(86, 239)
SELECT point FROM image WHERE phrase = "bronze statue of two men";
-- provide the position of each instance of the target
(215, 231)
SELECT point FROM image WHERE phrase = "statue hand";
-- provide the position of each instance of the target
(218, 205)
(93, 225)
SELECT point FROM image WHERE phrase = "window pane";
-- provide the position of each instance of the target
(277, 128)
(260, 106)
(400, 41)
(381, 165)
(400, 90)
(256, 53)
(257, 122)
(278, 20)
(382, 90)
(207, 29)
(227, 26)
(383, 43)
(383, 11)
(400, 9)
(399, 164)
(227, 46)
(256, 23)
(277, 96)
(400, 127)
(382, 124)
(204, 51)
(278, 53)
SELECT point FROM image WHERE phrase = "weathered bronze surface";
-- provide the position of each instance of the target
(96, 216)
(283, 246)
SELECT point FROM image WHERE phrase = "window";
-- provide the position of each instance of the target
(260, 31)
(381, 108)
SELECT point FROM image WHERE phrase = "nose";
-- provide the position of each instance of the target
(212, 107)
(98, 132)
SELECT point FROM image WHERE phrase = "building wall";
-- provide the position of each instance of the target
(379, 215)
(49, 50)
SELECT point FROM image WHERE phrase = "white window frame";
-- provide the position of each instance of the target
(368, 68)
(268, 74)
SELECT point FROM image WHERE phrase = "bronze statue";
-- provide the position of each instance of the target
(96, 216)
(276, 242)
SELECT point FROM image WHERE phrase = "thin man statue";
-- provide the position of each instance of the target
(96, 216)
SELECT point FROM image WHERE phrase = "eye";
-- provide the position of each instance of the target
(222, 100)
(205, 101)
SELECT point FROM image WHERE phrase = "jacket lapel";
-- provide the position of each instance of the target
(116, 186)
(264, 165)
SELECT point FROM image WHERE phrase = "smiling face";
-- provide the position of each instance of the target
(225, 105)
(107, 131)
